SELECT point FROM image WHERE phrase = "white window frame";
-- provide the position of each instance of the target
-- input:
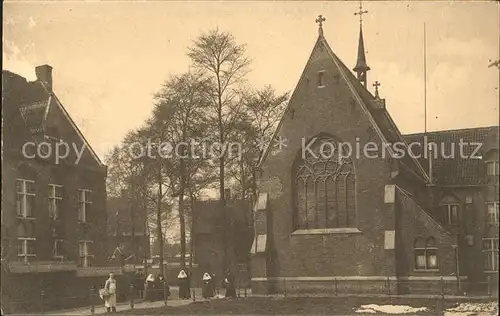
(86, 253)
(82, 204)
(449, 212)
(25, 253)
(492, 165)
(54, 214)
(55, 253)
(494, 258)
(495, 213)
(321, 75)
(24, 194)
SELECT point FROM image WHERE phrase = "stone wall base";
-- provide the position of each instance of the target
(359, 285)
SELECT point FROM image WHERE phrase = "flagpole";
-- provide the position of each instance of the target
(425, 81)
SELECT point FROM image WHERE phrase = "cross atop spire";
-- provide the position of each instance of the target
(376, 84)
(361, 67)
(320, 21)
(360, 12)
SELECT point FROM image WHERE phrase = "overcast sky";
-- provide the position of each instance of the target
(110, 58)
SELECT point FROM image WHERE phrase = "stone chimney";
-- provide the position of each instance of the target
(44, 75)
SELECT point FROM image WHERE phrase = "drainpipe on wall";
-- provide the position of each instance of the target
(457, 267)
(430, 163)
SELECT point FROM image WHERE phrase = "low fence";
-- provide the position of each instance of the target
(440, 287)
(92, 299)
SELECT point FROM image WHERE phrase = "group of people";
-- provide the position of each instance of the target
(154, 288)
(208, 289)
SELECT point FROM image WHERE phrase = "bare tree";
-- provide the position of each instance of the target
(217, 55)
(180, 110)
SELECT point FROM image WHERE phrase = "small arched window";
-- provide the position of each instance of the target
(425, 254)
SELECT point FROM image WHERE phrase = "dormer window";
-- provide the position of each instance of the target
(321, 82)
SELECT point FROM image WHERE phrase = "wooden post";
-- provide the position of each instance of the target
(442, 288)
(165, 291)
(489, 285)
(284, 285)
(92, 307)
(388, 286)
(131, 296)
(42, 298)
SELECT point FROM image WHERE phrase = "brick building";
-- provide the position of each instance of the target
(377, 220)
(123, 223)
(53, 210)
(209, 237)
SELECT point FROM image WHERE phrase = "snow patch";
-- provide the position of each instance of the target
(470, 309)
(390, 309)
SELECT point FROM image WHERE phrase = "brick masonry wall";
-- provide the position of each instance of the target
(22, 292)
(329, 110)
(67, 227)
(413, 222)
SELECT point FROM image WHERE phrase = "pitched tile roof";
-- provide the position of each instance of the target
(380, 115)
(462, 169)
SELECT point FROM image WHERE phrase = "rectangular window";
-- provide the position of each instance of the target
(492, 212)
(84, 202)
(450, 214)
(25, 197)
(85, 254)
(490, 254)
(25, 248)
(55, 200)
(492, 168)
(58, 249)
(420, 260)
(320, 79)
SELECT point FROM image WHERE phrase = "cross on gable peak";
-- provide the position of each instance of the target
(320, 21)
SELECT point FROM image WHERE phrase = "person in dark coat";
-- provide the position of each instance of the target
(208, 287)
(158, 284)
(183, 285)
(229, 285)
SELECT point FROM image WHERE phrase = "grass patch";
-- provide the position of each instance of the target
(293, 306)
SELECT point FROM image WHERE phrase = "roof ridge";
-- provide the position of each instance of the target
(454, 130)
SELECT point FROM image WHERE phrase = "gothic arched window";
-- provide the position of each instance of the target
(324, 188)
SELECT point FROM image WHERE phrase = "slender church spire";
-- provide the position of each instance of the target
(361, 67)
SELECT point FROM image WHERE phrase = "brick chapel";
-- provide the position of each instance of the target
(398, 223)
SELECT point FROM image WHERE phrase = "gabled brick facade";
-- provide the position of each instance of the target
(53, 210)
(393, 201)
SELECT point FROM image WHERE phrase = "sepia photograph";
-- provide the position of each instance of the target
(250, 157)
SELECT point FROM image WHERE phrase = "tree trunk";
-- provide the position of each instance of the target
(191, 241)
(146, 233)
(132, 220)
(158, 221)
(181, 213)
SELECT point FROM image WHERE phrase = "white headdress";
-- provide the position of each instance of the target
(206, 276)
(182, 274)
(150, 278)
